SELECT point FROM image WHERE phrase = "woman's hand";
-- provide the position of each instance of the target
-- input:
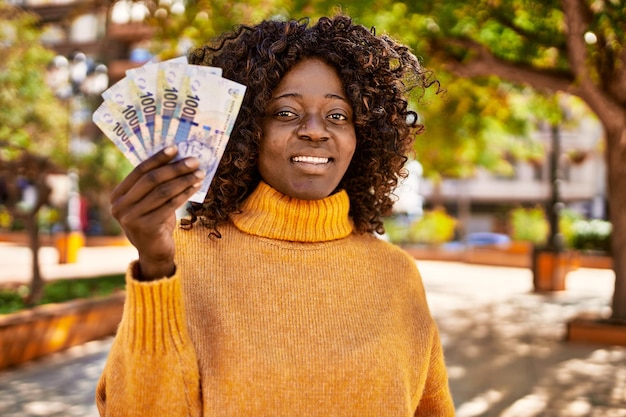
(145, 204)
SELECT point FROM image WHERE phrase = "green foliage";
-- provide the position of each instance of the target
(521, 31)
(205, 19)
(567, 221)
(475, 125)
(592, 235)
(529, 224)
(397, 228)
(433, 228)
(12, 300)
(5, 218)
(31, 116)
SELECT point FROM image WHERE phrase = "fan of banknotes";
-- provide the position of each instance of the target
(172, 103)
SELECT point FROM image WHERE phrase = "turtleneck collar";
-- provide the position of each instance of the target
(271, 214)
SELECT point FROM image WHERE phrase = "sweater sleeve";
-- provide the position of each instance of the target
(436, 399)
(152, 368)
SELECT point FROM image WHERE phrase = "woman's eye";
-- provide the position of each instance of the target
(285, 113)
(338, 116)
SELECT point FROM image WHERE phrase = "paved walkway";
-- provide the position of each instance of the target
(16, 261)
(504, 348)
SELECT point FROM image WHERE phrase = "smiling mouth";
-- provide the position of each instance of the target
(315, 160)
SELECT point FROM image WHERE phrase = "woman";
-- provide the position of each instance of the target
(275, 298)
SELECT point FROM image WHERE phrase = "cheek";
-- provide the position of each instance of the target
(268, 158)
(264, 160)
(350, 149)
(269, 150)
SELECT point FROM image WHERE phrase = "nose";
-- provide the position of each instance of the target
(313, 128)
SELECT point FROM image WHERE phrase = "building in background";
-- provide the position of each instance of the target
(483, 202)
(109, 33)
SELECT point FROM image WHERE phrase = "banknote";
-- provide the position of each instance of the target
(120, 94)
(169, 82)
(172, 103)
(170, 108)
(108, 121)
(143, 86)
(208, 107)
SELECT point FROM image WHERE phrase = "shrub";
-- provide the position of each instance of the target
(397, 229)
(12, 300)
(434, 228)
(592, 235)
(530, 225)
(567, 219)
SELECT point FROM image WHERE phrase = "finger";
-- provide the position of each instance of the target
(163, 157)
(161, 181)
(139, 222)
(134, 190)
(139, 202)
(164, 211)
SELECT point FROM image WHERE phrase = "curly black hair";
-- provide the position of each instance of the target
(378, 74)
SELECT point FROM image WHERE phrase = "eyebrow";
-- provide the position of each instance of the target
(297, 95)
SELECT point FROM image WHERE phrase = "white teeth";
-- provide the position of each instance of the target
(310, 159)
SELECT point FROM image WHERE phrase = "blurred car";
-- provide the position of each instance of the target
(478, 239)
(487, 239)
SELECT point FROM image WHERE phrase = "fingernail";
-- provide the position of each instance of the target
(199, 174)
(170, 150)
(192, 162)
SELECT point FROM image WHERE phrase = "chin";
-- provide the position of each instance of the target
(310, 193)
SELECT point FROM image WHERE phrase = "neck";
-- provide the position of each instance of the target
(271, 214)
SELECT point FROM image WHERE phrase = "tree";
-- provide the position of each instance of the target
(177, 30)
(572, 46)
(32, 127)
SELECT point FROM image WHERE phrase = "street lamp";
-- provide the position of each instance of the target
(552, 263)
(554, 206)
(73, 81)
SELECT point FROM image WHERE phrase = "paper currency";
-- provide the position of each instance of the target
(169, 82)
(205, 120)
(143, 91)
(172, 103)
(108, 121)
(121, 94)
(142, 86)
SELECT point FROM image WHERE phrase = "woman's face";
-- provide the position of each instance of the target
(308, 133)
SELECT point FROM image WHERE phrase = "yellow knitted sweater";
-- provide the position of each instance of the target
(290, 313)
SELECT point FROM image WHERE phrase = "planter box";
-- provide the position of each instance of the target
(432, 253)
(595, 260)
(46, 329)
(596, 330)
(518, 254)
(20, 238)
(551, 268)
(498, 257)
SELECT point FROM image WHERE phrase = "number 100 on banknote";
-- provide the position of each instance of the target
(172, 103)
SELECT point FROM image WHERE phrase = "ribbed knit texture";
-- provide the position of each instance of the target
(288, 314)
(269, 213)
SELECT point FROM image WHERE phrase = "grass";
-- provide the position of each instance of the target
(12, 299)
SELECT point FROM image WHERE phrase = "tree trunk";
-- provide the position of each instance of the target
(436, 198)
(36, 282)
(616, 163)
